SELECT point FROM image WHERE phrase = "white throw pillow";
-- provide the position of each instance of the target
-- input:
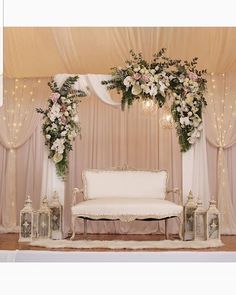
(124, 184)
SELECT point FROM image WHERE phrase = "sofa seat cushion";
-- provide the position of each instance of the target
(126, 209)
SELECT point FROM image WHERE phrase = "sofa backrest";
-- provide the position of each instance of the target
(124, 184)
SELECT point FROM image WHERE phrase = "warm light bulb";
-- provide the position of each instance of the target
(149, 107)
(166, 120)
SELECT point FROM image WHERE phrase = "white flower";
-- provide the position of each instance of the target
(66, 114)
(54, 126)
(162, 87)
(48, 136)
(63, 133)
(58, 145)
(190, 114)
(136, 90)
(54, 112)
(184, 121)
(156, 68)
(68, 108)
(191, 140)
(127, 81)
(153, 90)
(152, 71)
(76, 118)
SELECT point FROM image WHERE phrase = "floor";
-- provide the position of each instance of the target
(10, 242)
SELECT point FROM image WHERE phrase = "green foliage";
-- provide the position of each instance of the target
(60, 123)
(161, 80)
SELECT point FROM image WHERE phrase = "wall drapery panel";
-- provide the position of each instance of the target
(18, 120)
(221, 135)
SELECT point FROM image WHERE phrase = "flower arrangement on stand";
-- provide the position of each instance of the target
(164, 80)
(61, 122)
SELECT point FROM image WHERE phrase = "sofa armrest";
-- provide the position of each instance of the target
(176, 191)
(74, 196)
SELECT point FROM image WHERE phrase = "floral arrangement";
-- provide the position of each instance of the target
(188, 87)
(161, 80)
(61, 122)
(139, 79)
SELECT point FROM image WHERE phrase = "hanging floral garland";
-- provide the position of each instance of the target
(165, 79)
(61, 122)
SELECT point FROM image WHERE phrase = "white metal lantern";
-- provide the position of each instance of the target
(27, 222)
(213, 222)
(44, 227)
(199, 222)
(56, 217)
(189, 209)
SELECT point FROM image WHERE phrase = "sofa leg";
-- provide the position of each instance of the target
(73, 227)
(166, 229)
(85, 226)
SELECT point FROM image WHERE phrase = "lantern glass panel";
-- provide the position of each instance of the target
(213, 226)
(26, 225)
(200, 226)
(43, 225)
(55, 218)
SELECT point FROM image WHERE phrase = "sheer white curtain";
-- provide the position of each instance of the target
(18, 120)
(221, 134)
(195, 171)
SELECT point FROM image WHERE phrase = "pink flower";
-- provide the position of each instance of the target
(54, 96)
(63, 108)
(193, 76)
(145, 78)
(185, 91)
(63, 120)
(137, 76)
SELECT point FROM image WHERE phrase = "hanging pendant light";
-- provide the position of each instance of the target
(149, 107)
(166, 119)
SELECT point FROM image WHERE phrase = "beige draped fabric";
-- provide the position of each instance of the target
(44, 52)
(18, 120)
(221, 133)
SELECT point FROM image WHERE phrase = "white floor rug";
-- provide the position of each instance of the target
(118, 244)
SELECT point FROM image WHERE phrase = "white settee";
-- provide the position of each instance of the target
(124, 195)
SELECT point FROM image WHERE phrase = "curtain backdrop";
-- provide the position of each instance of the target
(221, 135)
(19, 120)
(110, 138)
(106, 129)
(96, 50)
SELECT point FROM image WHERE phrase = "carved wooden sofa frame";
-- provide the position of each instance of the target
(77, 191)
